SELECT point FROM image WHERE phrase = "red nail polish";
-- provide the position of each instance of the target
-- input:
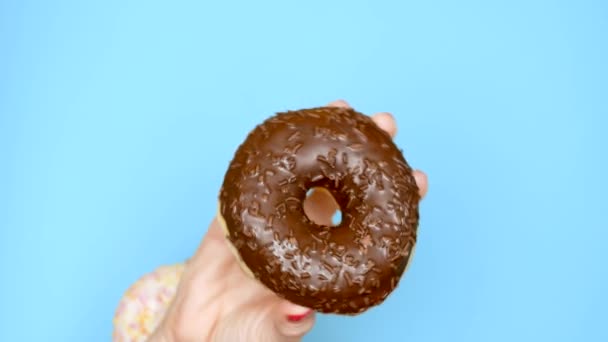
(297, 318)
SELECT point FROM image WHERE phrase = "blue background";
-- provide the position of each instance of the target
(118, 120)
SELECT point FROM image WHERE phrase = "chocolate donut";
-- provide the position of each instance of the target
(343, 269)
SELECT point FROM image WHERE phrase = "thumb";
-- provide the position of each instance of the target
(262, 321)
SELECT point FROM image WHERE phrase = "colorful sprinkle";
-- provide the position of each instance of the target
(144, 304)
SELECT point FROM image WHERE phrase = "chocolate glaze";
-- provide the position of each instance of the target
(344, 269)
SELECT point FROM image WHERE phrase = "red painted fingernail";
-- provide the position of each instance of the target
(297, 318)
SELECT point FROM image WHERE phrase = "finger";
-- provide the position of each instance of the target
(386, 122)
(422, 182)
(320, 207)
(216, 232)
(339, 104)
(216, 254)
(293, 321)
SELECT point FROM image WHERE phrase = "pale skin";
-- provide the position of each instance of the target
(217, 301)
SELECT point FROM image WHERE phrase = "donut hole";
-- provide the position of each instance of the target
(322, 208)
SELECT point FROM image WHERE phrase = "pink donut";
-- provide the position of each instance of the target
(144, 304)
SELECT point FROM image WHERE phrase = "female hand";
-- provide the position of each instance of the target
(217, 301)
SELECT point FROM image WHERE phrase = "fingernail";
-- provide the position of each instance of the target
(297, 318)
